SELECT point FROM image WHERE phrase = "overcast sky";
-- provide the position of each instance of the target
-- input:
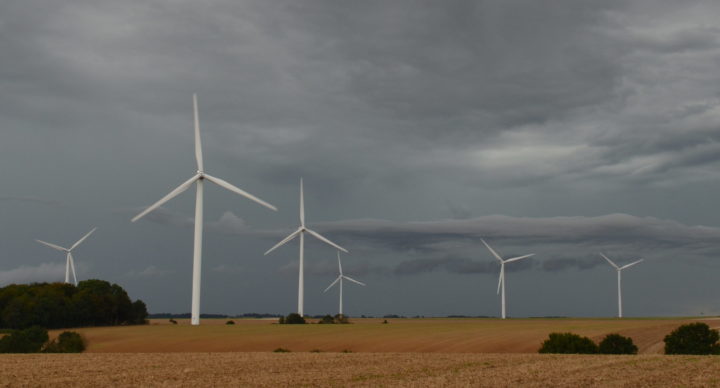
(560, 128)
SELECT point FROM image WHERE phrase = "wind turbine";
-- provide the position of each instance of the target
(301, 231)
(340, 279)
(199, 178)
(501, 280)
(619, 270)
(69, 262)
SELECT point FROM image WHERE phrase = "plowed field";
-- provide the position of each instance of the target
(356, 369)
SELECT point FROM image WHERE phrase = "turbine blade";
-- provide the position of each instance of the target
(492, 251)
(286, 239)
(339, 264)
(519, 258)
(82, 239)
(500, 278)
(333, 283)
(198, 144)
(58, 247)
(610, 261)
(631, 264)
(353, 280)
(325, 240)
(168, 197)
(237, 190)
(302, 204)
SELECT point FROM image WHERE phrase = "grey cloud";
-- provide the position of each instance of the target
(151, 271)
(449, 264)
(45, 272)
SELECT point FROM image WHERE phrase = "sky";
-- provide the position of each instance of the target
(559, 128)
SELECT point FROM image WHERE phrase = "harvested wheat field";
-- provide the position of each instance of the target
(363, 369)
(440, 335)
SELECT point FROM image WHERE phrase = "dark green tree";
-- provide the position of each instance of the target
(294, 319)
(29, 340)
(67, 342)
(617, 344)
(693, 338)
(568, 343)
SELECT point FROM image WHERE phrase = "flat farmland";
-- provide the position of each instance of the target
(356, 369)
(404, 352)
(428, 335)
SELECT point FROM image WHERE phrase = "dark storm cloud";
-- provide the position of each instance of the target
(390, 111)
(601, 230)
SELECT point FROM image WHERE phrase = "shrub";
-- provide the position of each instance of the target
(281, 320)
(617, 344)
(316, 351)
(281, 350)
(67, 342)
(693, 338)
(294, 319)
(29, 340)
(174, 322)
(340, 318)
(385, 322)
(568, 343)
(328, 319)
(230, 322)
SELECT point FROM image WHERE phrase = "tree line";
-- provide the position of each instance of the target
(59, 305)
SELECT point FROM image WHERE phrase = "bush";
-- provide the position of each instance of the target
(174, 322)
(230, 322)
(67, 342)
(281, 350)
(693, 338)
(328, 319)
(29, 340)
(568, 343)
(294, 319)
(617, 344)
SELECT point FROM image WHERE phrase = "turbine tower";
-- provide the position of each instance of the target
(69, 262)
(199, 178)
(340, 279)
(619, 270)
(301, 231)
(501, 280)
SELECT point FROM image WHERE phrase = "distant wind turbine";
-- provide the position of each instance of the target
(340, 279)
(69, 262)
(619, 270)
(301, 232)
(199, 177)
(501, 280)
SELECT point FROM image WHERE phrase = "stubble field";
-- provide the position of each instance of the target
(404, 352)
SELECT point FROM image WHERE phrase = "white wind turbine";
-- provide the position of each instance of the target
(501, 280)
(69, 262)
(301, 231)
(619, 270)
(199, 178)
(340, 279)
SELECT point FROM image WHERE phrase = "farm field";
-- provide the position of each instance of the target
(356, 369)
(425, 335)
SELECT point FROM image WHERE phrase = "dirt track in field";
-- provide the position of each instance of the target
(439, 335)
(356, 369)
